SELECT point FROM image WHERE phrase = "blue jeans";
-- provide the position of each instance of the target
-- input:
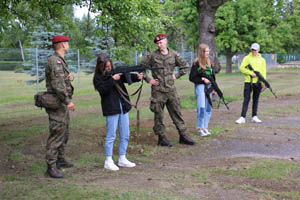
(203, 107)
(112, 122)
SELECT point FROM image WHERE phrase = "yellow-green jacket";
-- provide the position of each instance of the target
(258, 63)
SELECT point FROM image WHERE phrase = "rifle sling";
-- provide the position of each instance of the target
(124, 94)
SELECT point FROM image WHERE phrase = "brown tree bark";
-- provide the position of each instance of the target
(229, 56)
(207, 27)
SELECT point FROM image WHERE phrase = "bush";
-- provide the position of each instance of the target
(280, 58)
(8, 66)
(19, 69)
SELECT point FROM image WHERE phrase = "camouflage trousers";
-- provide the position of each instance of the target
(59, 132)
(171, 100)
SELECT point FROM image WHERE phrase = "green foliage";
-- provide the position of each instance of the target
(131, 24)
(184, 23)
(243, 22)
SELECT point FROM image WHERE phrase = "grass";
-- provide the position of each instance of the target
(22, 133)
(271, 169)
(27, 181)
(75, 192)
(87, 160)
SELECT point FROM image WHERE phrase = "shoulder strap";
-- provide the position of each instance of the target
(124, 94)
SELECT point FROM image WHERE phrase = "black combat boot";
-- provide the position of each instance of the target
(162, 141)
(54, 173)
(62, 163)
(184, 139)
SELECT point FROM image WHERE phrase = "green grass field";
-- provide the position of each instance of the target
(24, 130)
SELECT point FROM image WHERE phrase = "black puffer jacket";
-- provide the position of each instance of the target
(110, 97)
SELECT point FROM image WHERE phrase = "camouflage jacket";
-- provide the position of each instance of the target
(57, 81)
(168, 63)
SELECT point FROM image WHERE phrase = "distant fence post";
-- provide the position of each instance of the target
(136, 57)
(192, 55)
(37, 69)
(78, 71)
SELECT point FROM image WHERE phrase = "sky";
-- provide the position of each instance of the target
(79, 12)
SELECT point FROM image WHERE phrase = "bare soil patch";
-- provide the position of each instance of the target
(189, 170)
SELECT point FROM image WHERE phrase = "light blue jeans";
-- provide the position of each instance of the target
(112, 122)
(203, 107)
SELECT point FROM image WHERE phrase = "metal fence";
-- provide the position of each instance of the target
(33, 61)
(271, 60)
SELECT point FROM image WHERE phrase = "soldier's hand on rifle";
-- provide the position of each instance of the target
(70, 77)
(140, 76)
(253, 75)
(116, 76)
(71, 106)
(263, 87)
(154, 82)
(206, 81)
(214, 92)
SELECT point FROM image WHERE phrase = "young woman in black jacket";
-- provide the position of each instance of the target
(202, 65)
(115, 108)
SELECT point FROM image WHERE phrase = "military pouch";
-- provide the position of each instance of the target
(155, 105)
(47, 100)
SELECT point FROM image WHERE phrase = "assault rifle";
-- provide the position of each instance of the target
(215, 87)
(126, 70)
(262, 79)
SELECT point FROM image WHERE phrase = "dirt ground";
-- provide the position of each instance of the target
(181, 167)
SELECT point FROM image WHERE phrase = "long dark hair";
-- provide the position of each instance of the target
(102, 61)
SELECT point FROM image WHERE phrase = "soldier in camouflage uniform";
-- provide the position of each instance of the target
(164, 91)
(58, 82)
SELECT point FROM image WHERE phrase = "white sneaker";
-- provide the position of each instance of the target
(255, 119)
(123, 162)
(206, 131)
(240, 120)
(201, 132)
(110, 165)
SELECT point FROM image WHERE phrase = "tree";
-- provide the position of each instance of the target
(242, 22)
(292, 18)
(23, 15)
(207, 27)
(131, 23)
(182, 29)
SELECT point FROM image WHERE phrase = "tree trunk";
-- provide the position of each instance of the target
(229, 56)
(207, 27)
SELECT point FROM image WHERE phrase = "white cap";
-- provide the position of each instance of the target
(255, 46)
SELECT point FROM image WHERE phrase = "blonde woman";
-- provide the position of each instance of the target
(203, 90)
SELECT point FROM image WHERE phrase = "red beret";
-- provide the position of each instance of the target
(60, 38)
(159, 37)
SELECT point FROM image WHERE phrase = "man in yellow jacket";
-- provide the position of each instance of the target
(258, 63)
